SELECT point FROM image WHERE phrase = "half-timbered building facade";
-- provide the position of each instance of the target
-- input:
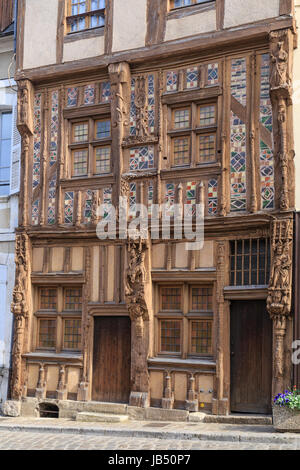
(174, 102)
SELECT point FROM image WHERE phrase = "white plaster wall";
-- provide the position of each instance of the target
(296, 108)
(89, 47)
(189, 25)
(238, 12)
(40, 33)
(129, 24)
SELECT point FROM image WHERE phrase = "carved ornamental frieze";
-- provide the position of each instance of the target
(19, 308)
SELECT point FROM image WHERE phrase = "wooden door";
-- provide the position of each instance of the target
(251, 357)
(111, 361)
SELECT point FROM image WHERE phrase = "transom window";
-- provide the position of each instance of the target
(85, 14)
(185, 320)
(186, 3)
(90, 147)
(250, 262)
(58, 318)
(192, 134)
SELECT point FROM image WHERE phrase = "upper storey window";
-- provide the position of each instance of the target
(186, 3)
(85, 14)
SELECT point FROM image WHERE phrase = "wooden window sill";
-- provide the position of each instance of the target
(188, 10)
(84, 34)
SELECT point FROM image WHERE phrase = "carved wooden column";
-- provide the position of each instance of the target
(138, 299)
(62, 392)
(167, 402)
(20, 309)
(279, 297)
(220, 402)
(120, 107)
(281, 51)
(25, 128)
(83, 389)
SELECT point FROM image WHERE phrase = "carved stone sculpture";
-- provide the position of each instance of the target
(141, 107)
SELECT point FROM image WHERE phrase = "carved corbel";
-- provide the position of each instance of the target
(167, 401)
(62, 392)
(191, 403)
(25, 97)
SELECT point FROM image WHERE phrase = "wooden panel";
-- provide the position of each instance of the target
(181, 257)
(111, 361)
(158, 256)
(251, 357)
(156, 384)
(73, 379)
(37, 259)
(77, 259)
(6, 13)
(180, 387)
(110, 274)
(95, 274)
(57, 259)
(52, 378)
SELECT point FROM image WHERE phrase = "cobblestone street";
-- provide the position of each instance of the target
(13, 440)
(63, 434)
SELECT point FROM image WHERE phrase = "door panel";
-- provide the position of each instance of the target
(251, 357)
(111, 361)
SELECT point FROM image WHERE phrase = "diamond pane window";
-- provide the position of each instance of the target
(47, 333)
(73, 298)
(171, 298)
(213, 74)
(48, 298)
(207, 115)
(80, 162)
(89, 94)
(207, 148)
(68, 207)
(201, 337)
(80, 132)
(202, 298)
(105, 92)
(171, 81)
(181, 151)
(72, 95)
(170, 336)
(102, 129)
(102, 160)
(192, 77)
(181, 118)
(72, 334)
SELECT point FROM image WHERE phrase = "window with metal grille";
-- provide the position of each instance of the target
(250, 262)
(202, 298)
(170, 336)
(201, 337)
(47, 333)
(73, 298)
(48, 298)
(85, 14)
(72, 333)
(171, 298)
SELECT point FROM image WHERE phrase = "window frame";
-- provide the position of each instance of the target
(186, 316)
(194, 131)
(86, 15)
(91, 144)
(60, 315)
(6, 183)
(193, 3)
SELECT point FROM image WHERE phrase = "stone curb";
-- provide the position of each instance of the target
(184, 435)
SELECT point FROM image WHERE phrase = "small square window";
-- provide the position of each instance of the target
(48, 298)
(102, 160)
(181, 118)
(80, 132)
(171, 298)
(170, 336)
(72, 333)
(73, 298)
(201, 337)
(207, 115)
(102, 129)
(80, 162)
(202, 298)
(207, 148)
(47, 333)
(181, 151)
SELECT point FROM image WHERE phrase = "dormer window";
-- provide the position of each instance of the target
(85, 14)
